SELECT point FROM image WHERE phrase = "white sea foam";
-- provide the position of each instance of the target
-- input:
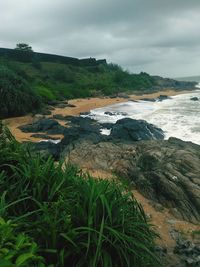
(178, 116)
(57, 141)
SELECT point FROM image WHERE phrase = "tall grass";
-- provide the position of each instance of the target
(75, 220)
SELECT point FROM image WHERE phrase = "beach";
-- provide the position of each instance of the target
(80, 106)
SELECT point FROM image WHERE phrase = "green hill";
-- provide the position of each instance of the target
(30, 80)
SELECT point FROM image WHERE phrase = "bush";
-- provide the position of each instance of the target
(16, 96)
(17, 250)
(75, 219)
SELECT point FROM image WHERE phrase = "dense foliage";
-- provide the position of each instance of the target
(16, 96)
(21, 82)
(64, 218)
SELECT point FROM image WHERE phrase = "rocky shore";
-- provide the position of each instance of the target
(163, 174)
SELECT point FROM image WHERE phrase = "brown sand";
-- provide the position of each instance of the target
(81, 105)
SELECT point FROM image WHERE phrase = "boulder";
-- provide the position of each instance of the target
(163, 97)
(49, 126)
(194, 98)
(135, 130)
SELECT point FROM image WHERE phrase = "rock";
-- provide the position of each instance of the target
(82, 128)
(71, 105)
(164, 171)
(47, 149)
(43, 136)
(194, 98)
(135, 130)
(152, 166)
(163, 97)
(164, 83)
(189, 253)
(49, 126)
(84, 113)
(115, 113)
(62, 105)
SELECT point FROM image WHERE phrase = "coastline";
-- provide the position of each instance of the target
(80, 105)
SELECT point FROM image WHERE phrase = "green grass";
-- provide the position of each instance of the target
(70, 218)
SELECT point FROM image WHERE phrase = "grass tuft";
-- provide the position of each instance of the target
(71, 218)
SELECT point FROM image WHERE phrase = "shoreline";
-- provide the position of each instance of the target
(81, 105)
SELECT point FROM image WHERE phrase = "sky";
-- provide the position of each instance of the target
(160, 37)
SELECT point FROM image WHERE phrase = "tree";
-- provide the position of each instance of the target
(23, 47)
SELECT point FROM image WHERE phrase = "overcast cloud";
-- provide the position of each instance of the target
(157, 36)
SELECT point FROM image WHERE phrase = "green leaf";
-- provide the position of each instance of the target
(23, 258)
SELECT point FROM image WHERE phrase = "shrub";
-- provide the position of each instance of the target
(16, 96)
(75, 220)
(17, 249)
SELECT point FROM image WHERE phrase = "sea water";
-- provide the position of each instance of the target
(178, 116)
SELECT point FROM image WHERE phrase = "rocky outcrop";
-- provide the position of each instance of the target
(171, 83)
(167, 172)
(135, 130)
(48, 126)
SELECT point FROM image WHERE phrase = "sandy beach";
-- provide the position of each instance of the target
(81, 105)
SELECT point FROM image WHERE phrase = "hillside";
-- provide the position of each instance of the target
(49, 77)
(190, 79)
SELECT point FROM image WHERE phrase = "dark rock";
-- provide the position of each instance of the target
(164, 83)
(132, 100)
(43, 136)
(71, 105)
(107, 125)
(115, 113)
(109, 113)
(62, 105)
(47, 149)
(84, 113)
(82, 128)
(194, 98)
(160, 98)
(44, 125)
(135, 130)
(164, 171)
(163, 97)
(65, 105)
(189, 253)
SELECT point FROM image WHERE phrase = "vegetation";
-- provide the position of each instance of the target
(55, 217)
(24, 83)
(24, 47)
(17, 98)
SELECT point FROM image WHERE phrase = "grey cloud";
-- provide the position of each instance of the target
(156, 36)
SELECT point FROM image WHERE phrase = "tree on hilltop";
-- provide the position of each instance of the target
(24, 47)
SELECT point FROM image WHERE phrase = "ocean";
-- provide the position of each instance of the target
(178, 116)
